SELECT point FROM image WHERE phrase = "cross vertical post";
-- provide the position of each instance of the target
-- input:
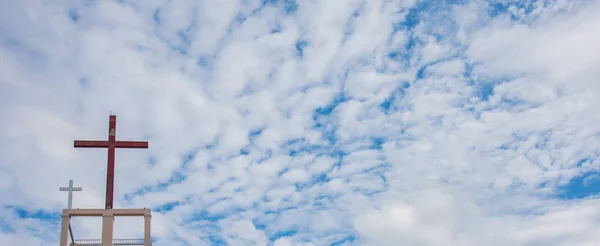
(70, 189)
(110, 171)
(111, 144)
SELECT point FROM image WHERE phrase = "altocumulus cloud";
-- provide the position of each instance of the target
(306, 123)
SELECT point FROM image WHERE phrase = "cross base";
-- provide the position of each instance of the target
(108, 219)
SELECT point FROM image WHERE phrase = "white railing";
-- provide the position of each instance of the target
(98, 242)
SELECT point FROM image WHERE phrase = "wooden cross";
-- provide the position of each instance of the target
(111, 144)
(70, 189)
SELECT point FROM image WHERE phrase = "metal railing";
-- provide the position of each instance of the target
(98, 242)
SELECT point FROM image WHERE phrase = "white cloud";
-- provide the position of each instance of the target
(401, 123)
(286, 241)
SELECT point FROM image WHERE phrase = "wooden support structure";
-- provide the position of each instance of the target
(108, 219)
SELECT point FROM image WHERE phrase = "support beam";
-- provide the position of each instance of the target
(71, 232)
(64, 230)
(108, 221)
(147, 230)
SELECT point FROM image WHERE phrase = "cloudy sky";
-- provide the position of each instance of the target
(307, 122)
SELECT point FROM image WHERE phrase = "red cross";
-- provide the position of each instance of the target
(111, 144)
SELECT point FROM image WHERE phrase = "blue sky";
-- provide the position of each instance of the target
(306, 123)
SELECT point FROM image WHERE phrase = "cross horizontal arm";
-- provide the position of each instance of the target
(67, 189)
(131, 144)
(90, 144)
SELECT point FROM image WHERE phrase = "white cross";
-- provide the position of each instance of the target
(70, 189)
